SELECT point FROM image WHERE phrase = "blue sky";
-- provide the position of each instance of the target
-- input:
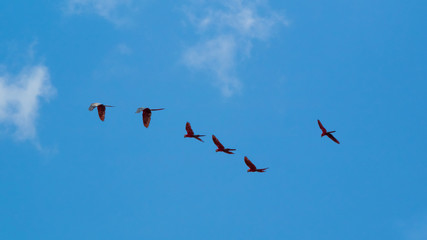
(258, 75)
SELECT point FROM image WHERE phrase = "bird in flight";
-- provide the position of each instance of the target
(221, 147)
(326, 133)
(146, 114)
(252, 167)
(190, 133)
(101, 109)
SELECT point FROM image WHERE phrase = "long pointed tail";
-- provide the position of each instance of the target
(229, 150)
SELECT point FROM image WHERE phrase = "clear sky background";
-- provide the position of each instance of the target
(258, 75)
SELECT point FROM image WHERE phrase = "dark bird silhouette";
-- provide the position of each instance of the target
(221, 147)
(329, 134)
(146, 115)
(190, 133)
(101, 109)
(252, 167)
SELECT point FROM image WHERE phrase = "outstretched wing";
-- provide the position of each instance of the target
(188, 128)
(146, 117)
(101, 112)
(321, 126)
(157, 109)
(93, 106)
(217, 143)
(139, 110)
(249, 163)
(333, 138)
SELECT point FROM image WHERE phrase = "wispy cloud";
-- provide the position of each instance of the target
(218, 56)
(20, 99)
(227, 30)
(124, 49)
(416, 229)
(115, 11)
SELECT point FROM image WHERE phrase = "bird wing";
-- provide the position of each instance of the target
(333, 138)
(217, 143)
(249, 164)
(157, 109)
(321, 126)
(146, 117)
(139, 110)
(101, 112)
(93, 106)
(188, 128)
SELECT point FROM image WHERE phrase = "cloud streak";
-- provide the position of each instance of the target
(115, 11)
(20, 99)
(218, 56)
(227, 30)
(416, 229)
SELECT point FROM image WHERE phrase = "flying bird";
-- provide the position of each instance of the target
(146, 114)
(101, 109)
(252, 167)
(190, 133)
(221, 147)
(326, 133)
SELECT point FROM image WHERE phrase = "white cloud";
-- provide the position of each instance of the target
(124, 49)
(116, 11)
(20, 97)
(228, 31)
(416, 229)
(218, 56)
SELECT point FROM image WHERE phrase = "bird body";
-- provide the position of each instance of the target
(101, 109)
(190, 133)
(252, 167)
(326, 133)
(221, 147)
(146, 114)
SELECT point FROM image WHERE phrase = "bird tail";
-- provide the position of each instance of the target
(228, 150)
(262, 169)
